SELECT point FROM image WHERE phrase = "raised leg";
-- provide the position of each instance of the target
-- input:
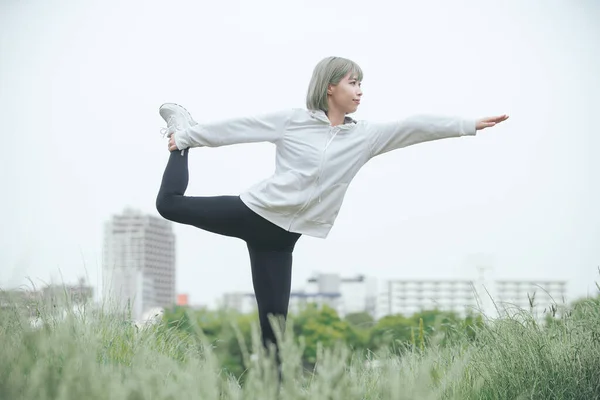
(270, 247)
(224, 215)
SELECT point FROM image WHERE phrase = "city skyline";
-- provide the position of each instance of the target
(320, 295)
(141, 247)
(139, 261)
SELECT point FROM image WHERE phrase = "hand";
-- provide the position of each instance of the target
(490, 121)
(172, 145)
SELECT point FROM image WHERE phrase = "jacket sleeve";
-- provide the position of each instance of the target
(384, 137)
(262, 128)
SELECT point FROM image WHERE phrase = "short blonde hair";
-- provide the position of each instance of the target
(330, 70)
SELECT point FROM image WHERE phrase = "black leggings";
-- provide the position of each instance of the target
(270, 247)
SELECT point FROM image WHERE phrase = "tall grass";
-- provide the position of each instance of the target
(97, 355)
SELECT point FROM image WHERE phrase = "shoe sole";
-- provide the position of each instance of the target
(189, 116)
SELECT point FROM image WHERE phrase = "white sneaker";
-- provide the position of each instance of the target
(176, 117)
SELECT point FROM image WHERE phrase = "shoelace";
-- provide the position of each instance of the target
(171, 128)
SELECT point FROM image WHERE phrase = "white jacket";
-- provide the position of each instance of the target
(315, 161)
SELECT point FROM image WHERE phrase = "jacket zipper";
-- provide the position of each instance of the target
(335, 130)
(316, 185)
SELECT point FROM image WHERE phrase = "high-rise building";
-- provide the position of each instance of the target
(138, 263)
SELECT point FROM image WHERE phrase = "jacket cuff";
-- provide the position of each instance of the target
(181, 140)
(470, 127)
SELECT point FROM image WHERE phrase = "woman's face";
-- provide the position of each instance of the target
(345, 96)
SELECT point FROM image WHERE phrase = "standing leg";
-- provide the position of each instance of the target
(224, 215)
(272, 280)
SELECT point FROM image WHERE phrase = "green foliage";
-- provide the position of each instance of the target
(360, 320)
(203, 354)
(321, 325)
(206, 355)
(392, 331)
(229, 333)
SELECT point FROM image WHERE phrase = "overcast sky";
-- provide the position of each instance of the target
(81, 83)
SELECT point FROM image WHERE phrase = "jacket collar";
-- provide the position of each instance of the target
(321, 116)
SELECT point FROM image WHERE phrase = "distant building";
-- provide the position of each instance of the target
(238, 301)
(354, 294)
(407, 297)
(345, 295)
(244, 303)
(138, 263)
(74, 294)
(24, 300)
(53, 299)
(515, 294)
(299, 300)
(182, 299)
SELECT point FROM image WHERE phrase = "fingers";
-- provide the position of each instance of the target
(172, 146)
(488, 122)
(497, 119)
(491, 121)
(483, 125)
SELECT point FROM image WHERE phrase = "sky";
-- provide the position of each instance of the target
(81, 84)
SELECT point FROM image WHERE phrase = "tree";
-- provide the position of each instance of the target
(396, 332)
(360, 320)
(322, 325)
(391, 332)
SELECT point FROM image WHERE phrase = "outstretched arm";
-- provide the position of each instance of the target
(261, 128)
(389, 136)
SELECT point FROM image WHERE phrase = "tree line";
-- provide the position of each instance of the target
(228, 331)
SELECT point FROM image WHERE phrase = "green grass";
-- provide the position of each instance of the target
(99, 356)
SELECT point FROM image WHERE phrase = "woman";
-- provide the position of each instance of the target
(319, 150)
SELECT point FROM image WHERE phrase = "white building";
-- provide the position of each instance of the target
(138, 263)
(241, 302)
(407, 297)
(513, 295)
(299, 300)
(246, 302)
(345, 295)
(354, 294)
